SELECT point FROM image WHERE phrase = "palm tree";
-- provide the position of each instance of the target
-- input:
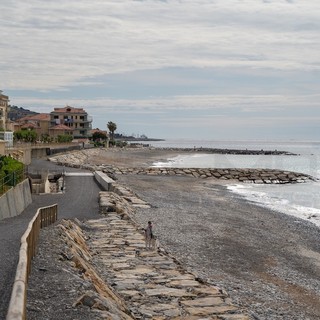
(112, 128)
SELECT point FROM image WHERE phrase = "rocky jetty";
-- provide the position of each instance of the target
(260, 176)
(233, 151)
(257, 175)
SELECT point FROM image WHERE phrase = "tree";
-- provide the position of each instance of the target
(99, 135)
(25, 135)
(112, 128)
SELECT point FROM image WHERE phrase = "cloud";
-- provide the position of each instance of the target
(242, 103)
(51, 45)
(201, 64)
(221, 117)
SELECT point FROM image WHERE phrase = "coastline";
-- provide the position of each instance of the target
(268, 262)
(264, 259)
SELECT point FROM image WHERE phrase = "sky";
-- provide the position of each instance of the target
(191, 69)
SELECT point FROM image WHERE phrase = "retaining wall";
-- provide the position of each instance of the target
(14, 201)
(104, 180)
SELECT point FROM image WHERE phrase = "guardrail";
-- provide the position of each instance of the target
(29, 241)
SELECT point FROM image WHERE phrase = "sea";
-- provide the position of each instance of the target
(301, 201)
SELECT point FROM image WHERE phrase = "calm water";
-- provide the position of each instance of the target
(299, 200)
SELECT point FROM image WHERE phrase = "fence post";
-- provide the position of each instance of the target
(14, 178)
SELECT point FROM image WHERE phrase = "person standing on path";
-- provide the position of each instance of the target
(148, 235)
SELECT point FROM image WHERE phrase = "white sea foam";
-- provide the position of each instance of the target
(289, 206)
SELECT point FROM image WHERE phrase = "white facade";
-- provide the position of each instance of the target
(7, 136)
(3, 110)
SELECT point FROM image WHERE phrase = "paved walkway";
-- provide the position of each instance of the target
(153, 283)
(80, 200)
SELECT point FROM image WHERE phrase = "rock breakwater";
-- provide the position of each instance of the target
(233, 151)
(267, 176)
(244, 175)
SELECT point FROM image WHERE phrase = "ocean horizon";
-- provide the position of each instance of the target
(301, 201)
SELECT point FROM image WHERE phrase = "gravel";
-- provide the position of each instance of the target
(268, 262)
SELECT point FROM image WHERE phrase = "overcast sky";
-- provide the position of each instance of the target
(201, 69)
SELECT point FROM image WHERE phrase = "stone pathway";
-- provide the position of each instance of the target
(153, 283)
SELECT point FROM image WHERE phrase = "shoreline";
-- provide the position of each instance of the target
(268, 262)
(259, 256)
(239, 245)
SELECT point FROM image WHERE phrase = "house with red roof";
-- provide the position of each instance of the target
(40, 123)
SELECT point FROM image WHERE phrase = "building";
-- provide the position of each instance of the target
(4, 100)
(70, 121)
(40, 123)
(76, 119)
(60, 129)
(7, 137)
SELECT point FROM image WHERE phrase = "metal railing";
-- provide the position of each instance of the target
(29, 241)
(11, 180)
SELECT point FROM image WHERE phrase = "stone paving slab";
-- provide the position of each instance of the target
(153, 284)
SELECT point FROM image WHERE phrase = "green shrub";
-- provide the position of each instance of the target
(99, 144)
(121, 144)
(64, 138)
(11, 171)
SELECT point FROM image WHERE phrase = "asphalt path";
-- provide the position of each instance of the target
(79, 200)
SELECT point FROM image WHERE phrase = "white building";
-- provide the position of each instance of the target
(7, 136)
(3, 110)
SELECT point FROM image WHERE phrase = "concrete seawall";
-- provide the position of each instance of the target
(104, 180)
(13, 202)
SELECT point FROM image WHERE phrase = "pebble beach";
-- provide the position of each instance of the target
(267, 262)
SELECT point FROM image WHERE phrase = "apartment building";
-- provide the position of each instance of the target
(4, 100)
(76, 119)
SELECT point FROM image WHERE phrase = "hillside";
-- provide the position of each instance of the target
(15, 113)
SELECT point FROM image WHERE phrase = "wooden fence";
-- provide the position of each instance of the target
(29, 241)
